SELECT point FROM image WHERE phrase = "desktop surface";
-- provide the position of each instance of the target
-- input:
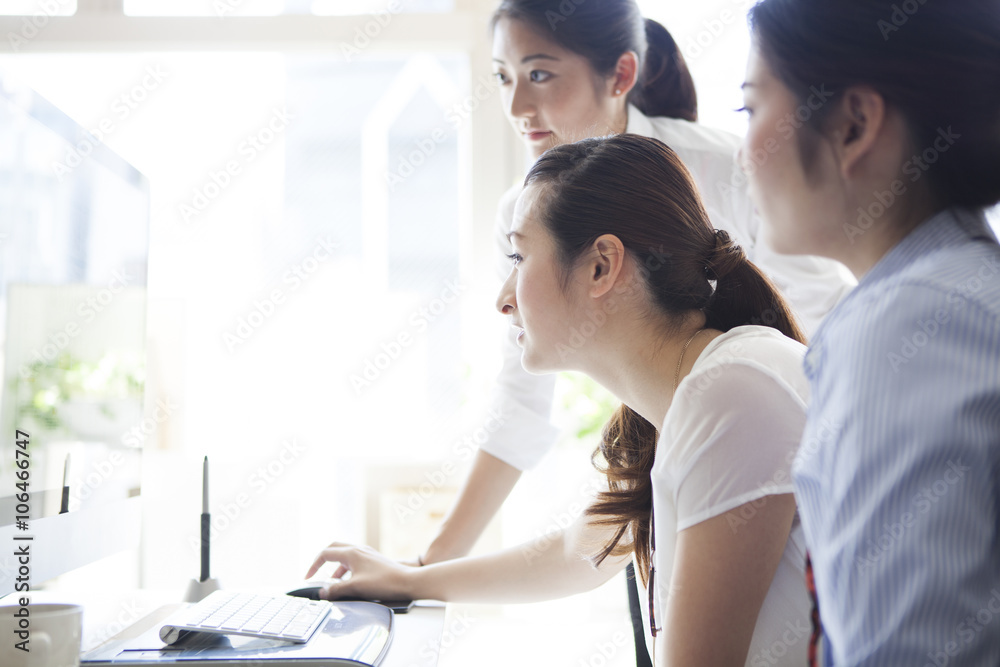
(414, 642)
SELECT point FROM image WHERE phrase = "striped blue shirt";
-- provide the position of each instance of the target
(898, 473)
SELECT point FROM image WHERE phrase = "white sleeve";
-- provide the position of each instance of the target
(522, 401)
(733, 440)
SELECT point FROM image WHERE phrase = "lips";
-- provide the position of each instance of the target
(537, 135)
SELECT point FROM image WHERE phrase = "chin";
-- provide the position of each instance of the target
(538, 365)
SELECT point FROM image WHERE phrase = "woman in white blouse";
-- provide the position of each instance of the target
(618, 273)
(601, 70)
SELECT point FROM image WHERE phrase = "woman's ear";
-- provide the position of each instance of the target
(858, 124)
(605, 265)
(626, 74)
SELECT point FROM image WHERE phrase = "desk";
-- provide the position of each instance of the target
(416, 638)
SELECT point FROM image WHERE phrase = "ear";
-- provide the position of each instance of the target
(605, 265)
(626, 74)
(858, 125)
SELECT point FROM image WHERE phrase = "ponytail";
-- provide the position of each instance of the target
(625, 456)
(601, 31)
(638, 189)
(743, 294)
(665, 87)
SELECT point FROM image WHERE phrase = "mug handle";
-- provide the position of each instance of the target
(44, 646)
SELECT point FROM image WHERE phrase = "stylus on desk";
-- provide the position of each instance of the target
(64, 504)
(206, 522)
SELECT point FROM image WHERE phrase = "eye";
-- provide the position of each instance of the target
(744, 108)
(540, 75)
(514, 258)
(501, 77)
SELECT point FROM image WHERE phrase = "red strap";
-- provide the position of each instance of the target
(817, 626)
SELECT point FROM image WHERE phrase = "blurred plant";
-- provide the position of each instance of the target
(585, 406)
(64, 379)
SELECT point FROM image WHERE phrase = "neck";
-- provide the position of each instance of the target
(641, 371)
(875, 243)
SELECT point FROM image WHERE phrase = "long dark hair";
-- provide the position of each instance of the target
(638, 189)
(601, 31)
(937, 63)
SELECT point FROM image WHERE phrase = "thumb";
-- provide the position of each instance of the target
(335, 590)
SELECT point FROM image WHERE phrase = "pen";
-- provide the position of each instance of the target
(64, 505)
(206, 521)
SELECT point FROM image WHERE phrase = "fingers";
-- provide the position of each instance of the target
(333, 554)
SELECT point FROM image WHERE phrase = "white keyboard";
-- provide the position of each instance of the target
(250, 615)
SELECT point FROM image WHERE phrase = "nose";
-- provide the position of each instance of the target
(506, 302)
(521, 103)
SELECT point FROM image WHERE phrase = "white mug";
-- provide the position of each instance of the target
(40, 635)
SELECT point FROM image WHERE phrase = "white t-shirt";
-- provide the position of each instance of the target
(812, 285)
(729, 438)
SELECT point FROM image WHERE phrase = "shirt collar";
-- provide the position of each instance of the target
(638, 123)
(948, 228)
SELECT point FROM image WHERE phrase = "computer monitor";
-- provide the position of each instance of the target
(74, 227)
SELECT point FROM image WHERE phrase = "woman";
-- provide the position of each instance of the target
(899, 473)
(618, 273)
(599, 70)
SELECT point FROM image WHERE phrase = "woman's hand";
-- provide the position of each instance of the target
(373, 575)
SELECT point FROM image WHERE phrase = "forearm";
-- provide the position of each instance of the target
(543, 569)
(489, 483)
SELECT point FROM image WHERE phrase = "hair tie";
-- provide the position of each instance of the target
(723, 257)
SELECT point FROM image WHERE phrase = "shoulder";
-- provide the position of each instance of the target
(959, 286)
(938, 317)
(748, 385)
(685, 136)
(747, 358)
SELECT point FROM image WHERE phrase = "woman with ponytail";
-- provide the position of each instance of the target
(618, 273)
(563, 76)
